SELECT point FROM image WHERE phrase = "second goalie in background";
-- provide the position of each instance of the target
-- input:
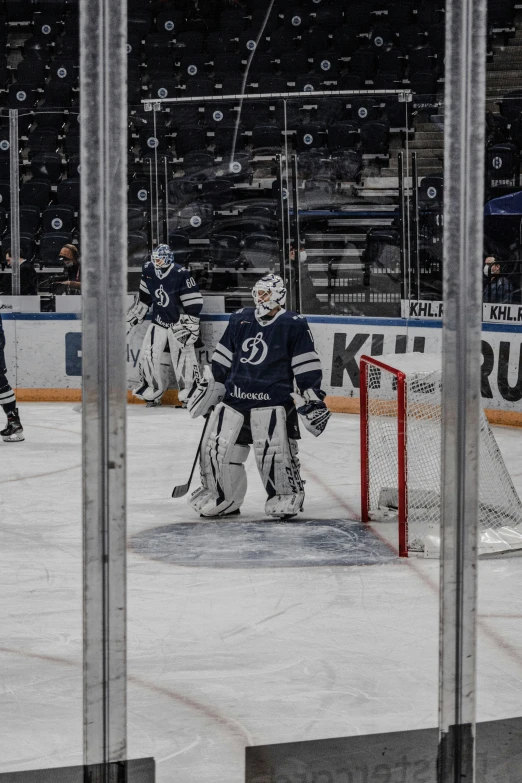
(265, 354)
(176, 305)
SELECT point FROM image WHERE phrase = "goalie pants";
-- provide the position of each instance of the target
(223, 454)
(153, 368)
(7, 397)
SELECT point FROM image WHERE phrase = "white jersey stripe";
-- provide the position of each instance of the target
(188, 297)
(217, 357)
(304, 357)
(308, 367)
(224, 350)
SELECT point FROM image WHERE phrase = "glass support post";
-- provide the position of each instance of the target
(103, 83)
(463, 245)
(15, 201)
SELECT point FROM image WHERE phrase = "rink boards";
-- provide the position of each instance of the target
(44, 356)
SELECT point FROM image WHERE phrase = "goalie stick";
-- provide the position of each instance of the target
(182, 489)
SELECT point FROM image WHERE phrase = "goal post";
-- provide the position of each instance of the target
(394, 408)
(401, 456)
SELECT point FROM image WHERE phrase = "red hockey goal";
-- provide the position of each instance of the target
(401, 430)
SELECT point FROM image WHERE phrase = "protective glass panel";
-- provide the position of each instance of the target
(501, 387)
(352, 199)
(207, 177)
(214, 669)
(40, 477)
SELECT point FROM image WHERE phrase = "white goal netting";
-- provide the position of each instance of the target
(500, 508)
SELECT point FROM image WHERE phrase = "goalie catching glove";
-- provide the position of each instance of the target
(204, 395)
(136, 313)
(312, 410)
(186, 331)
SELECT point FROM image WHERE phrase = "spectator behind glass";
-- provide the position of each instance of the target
(498, 289)
(70, 258)
(28, 277)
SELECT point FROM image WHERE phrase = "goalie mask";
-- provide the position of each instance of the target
(268, 293)
(162, 257)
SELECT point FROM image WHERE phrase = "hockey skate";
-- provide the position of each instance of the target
(14, 432)
(154, 403)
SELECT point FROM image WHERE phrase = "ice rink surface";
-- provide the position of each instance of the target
(224, 657)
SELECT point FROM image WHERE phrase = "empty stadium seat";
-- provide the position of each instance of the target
(347, 165)
(58, 217)
(68, 192)
(29, 219)
(139, 192)
(431, 191)
(375, 138)
(312, 136)
(47, 165)
(342, 135)
(190, 138)
(36, 192)
(266, 137)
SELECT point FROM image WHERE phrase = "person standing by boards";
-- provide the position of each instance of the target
(13, 432)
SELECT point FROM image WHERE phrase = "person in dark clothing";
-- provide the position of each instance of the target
(28, 276)
(70, 257)
(13, 431)
(498, 288)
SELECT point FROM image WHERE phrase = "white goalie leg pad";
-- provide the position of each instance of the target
(185, 364)
(277, 462)
(223, 476)
(153, 375)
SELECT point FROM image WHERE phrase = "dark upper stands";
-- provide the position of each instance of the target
(203, 166)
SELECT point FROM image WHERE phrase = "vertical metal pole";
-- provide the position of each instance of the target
(15, 201)
(415, 221)
(282, 266)
(167, 229)
(297, 233)
(405, 292)
(103, 82)
(463, 238)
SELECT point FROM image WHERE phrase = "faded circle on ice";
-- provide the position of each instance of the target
(266, 543)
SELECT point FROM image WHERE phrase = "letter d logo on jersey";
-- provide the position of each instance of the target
(162, 297)
(258, 350)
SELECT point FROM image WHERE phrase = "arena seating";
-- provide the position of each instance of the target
(210, 172)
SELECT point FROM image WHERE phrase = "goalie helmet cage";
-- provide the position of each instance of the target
(401, 432)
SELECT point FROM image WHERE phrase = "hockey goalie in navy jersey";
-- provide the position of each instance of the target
(266, 375)
(176, 304)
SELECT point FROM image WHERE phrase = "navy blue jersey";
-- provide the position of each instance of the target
(261, 362)
(171, 292)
